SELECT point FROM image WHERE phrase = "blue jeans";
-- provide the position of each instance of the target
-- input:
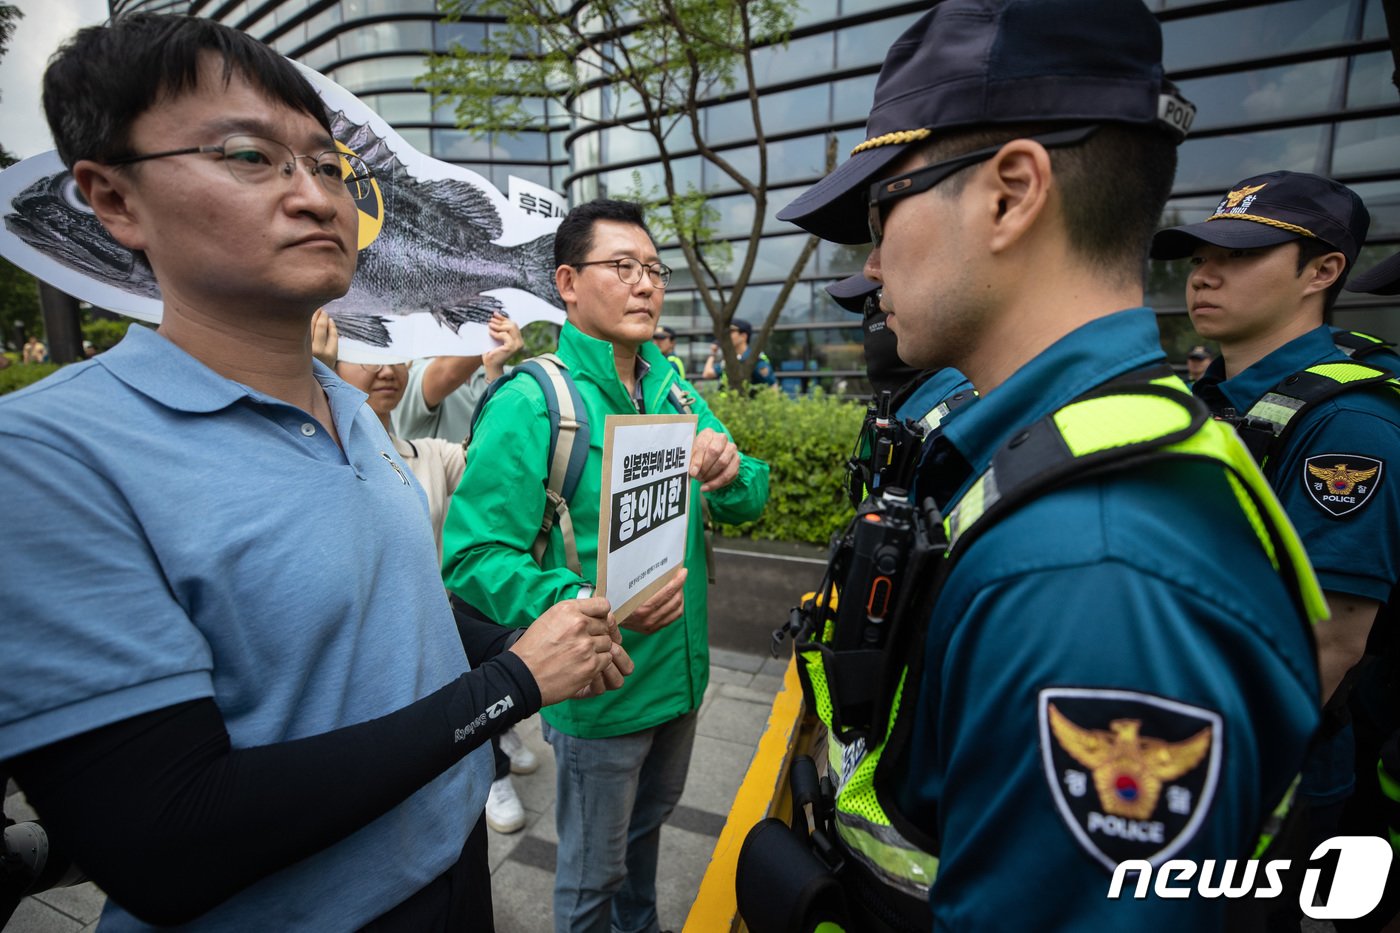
(612, 797)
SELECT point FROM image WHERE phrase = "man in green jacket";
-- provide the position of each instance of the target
(622, 758)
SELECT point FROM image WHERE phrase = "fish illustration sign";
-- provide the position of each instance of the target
(440, 248)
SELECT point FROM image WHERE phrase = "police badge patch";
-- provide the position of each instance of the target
(1133, 775)
(1341, 483)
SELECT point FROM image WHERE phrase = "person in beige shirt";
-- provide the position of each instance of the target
(436, 464)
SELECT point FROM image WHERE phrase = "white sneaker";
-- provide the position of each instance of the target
(504, 813)
(522, 760)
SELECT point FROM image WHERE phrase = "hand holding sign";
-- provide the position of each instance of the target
(644, 515)
(507, 332)
(571, 649)
(325, 340)
(664, 607)
(714, 460)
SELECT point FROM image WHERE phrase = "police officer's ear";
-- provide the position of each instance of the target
(1014, 190)
(1321, 273)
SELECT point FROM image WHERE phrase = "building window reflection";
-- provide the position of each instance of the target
(1252, 33)
(1288, 67)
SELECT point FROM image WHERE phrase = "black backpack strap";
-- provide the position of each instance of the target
(1270, 422)
(569, 435)
(1358, 345)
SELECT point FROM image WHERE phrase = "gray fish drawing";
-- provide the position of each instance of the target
(434, 252)
(51, 216)
(433, 255)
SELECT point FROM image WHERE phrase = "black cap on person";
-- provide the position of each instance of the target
(851, 293)
(978, 63)
(1381, 279)
(1274, 208)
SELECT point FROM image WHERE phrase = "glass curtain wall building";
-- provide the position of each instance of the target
(1292, 84)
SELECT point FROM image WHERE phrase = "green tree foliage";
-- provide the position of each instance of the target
(806, 442)
(540, 337)
(19, 375)
(19, 304)
(646, 65)
(104, 332)
(19, 293)
(10, 16)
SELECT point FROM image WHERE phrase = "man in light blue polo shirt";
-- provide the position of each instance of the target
(231, 678)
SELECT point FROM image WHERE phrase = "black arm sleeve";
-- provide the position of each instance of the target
(170, 820)
(481, 638)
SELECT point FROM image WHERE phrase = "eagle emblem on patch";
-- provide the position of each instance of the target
(1240, 199)
(1132, 775)
(1341, 483)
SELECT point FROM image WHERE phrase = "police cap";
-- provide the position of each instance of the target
(1274, 208)
(1381, 279)
(850, 293)
(979, 63)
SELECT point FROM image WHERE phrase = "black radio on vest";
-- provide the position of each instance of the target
(884, 532)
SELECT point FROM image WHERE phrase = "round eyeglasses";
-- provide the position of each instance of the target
(630, 270)
(254, 160)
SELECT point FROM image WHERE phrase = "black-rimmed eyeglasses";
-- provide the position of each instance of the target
(254, 160)
(630, 270)
(886, 192)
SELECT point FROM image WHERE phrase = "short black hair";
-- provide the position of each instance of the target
(106, 76)
(574, 237)
(1310, 249)
(1114, 184)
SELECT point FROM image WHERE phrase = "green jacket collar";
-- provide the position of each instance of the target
(592, 360)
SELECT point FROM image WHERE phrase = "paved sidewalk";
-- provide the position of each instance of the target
(732, 718)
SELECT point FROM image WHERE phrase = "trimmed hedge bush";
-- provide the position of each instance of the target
(106, 334)
(19, 375)
(806, 442)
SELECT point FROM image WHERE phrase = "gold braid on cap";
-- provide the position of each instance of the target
(1267, 221)
(897, 138)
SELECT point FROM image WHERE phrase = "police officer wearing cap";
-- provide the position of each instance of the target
(665, 340)
(1196, 362)
(1267, 266)
(1092, 683)
(923, 396)
(741, 332)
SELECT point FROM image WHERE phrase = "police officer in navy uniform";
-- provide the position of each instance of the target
(1093, 683)
(917, 394)
(741, 332)
(1267, 266)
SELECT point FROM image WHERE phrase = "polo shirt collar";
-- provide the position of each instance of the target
(158, 369)
(1248, 387)
(1085, 358)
